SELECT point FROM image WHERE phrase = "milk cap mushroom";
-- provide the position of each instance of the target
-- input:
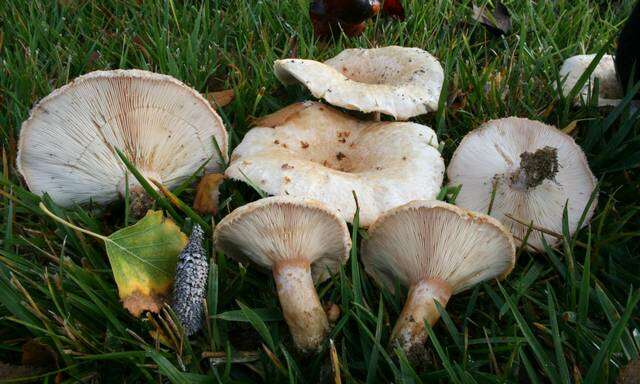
(609, 89)
(436, 250)
(525, 169)
(319, 153)
(68, 145)
(301, 242)
(397, 81)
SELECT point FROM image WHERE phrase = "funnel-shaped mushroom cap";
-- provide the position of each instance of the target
(535, 170)
(322, 154)
(433, 240)
(609, 89)
(67, 146)
(397, 81)
(276, 229)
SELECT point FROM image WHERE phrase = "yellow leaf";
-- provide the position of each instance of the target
(143, 259)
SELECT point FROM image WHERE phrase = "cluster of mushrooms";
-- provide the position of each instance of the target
(516, 174)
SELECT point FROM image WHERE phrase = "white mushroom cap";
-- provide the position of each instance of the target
(433, 240)
(277, 229)
(67, 146)
(323, 154)
(492, 154)
(609, 88)
(397, 81)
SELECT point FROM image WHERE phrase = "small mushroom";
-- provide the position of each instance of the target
(397, 81)
(320, 153)
(436, 250)
(609, 89)
(165, 128)
(301, 242)
(527, 170)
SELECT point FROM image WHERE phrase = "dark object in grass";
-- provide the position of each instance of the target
(498, 21)
(190, 283)
(394, 9)
(330, 17)
(628, 52)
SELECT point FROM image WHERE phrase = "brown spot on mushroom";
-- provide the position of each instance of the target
(246, 162)
(304, 144)
(340, 156)
(287, 179)
(284, 145)
(286, 166)
(276, 142)
(404, 157)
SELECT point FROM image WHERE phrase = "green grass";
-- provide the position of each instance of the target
(566, 315)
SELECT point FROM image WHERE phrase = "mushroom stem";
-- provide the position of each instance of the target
(409, 330)
(139, 199)
(300, 304)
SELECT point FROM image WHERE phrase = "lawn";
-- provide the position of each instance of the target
(569, 314)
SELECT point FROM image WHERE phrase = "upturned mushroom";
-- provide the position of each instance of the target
(397, 81)
(166, 129)
(609, 89)
(527, 170)
(301, 242)
(436, 250)
(313, 151)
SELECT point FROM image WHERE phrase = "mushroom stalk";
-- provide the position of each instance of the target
(140, 201)
(409, 330)
(300, 304)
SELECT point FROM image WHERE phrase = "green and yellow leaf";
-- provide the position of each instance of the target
(143, 258)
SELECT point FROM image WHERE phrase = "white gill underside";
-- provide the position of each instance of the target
(67, 147)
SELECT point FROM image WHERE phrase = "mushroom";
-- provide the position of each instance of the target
(319, 153)
(609, 90)
(436, 250)
(397, 81)
(301, 242)
(166, 129)
(527, 170)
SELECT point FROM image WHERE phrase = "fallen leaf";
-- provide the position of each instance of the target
(497, 22)
(143, 259)
(394, 9)
(207, 194)
(332, 17)
(219, 99)
(35, 353)
(13, 372)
